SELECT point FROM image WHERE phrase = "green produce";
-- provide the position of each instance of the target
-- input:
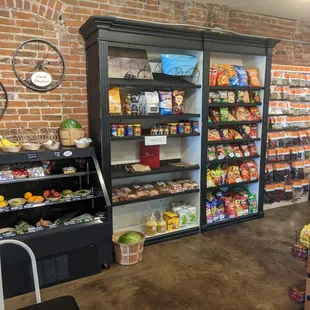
(129, 238)
(66, 218)
(70, 123)
(67, 192)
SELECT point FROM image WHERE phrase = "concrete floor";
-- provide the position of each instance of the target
(247, 266)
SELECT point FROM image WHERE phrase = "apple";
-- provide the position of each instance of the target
(46, 193)
(56, 195)
(53, 191)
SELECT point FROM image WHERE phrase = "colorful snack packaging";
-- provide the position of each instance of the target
(233, 76)
(213, 135)
(225, 134)
(231, 117)
(229, 151)
(224, 114)
(243, 114)
(242, 75)
(165, 102)
(214, 97)
(213, 74)
(253, 132)
(252, 148)
(209, 217)
(246, 131)
(253, 75)
(252, 203)
(211, 153)
(230, 208)
(255, 113)
(215, 115)
(231, 96)
(115, 101)
(237, 151)
(223, 96)
(249, 171)
(222, 78)
(233, 175)
(220, 153)
(177, 102)
(246, 97)
(245, 150)
(240, 96)
(235, 134)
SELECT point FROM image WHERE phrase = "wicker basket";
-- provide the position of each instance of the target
(54, 146)
(31, 146)
(82, 145)
(68, 135)
(13, 149)
(128, 254)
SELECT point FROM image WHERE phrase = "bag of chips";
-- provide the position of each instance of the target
(220, 153)
(177, 102)
(243, 114)
(252, 148)
(213, 75)
(245, 150)
(255, 113)
(214, 97)
(233, 75)
(213, 135)
(242, 75)
(229, 151)
(237, 151)
(211, 153)
(253, 74)
(254, 97)
(224, 114)
(233, 175)
(231, 96)
(165, 102)
(215, 115)
(222, 78)
(223, 96)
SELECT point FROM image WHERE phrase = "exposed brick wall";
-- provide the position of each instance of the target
(59, 20)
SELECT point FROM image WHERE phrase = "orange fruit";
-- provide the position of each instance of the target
(28, 195)
(31, 199)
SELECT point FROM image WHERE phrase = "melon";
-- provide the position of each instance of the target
(70, 123)
(129, 238)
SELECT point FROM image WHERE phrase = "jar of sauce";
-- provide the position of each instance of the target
(129, 130)
(120, 130)
(137, 130)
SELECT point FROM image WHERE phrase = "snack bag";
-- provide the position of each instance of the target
(214, 97)
(242, 75)
(231, 96)
(223, 96)
(225, 134)
(213, 135)
(209, 217)
(249, 171)
(233, 175)
(240, 96)
(237, 151)
(177, 102)
(253, 132)
(215, 115)
(245, 150)
(246, 97)
(244, 204)
(238, 207)
(252, 203)
(246, 131)
(229, 151)
(230, 208)
(233, 76)
(216, 175)
(253, 74)
(211, 153)
(243, 114)
(220, 152)
(235, 134)
(220, 204)
(210, 182)
(223, 78)
(252, 148)
(115, 101)
(165, 102)
(255, 113)
(231, 116)
(213, 75)
(224, 114)
(214, 211)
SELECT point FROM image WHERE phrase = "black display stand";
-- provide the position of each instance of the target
(101, 32)
(66, 251)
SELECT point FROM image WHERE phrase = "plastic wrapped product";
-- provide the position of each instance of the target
(255, 113)
(211, 153)
(229, 151)
(305, 185)
(165, 102)
(242, 75)
(269, 174)
(177, 102)
(220, 152)
(238, 153)
(151, 225)
(151, 190)
(214, 115)
(243, 114)
(307, 151)
(139, 191)
(115, 107)
(213, 135)
(224, 114)
(233, 175)
(297, 170)
(223, 96)
(253, 75)
(214, 97)
(213, 75)
(298, 190)
(271, 156)
(255, 97)
(209, 217)
(222, 78)
(269, 193)
(245, 150)
(232, 96)
(288, 192)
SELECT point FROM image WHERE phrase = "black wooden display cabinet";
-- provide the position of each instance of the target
(101, 32)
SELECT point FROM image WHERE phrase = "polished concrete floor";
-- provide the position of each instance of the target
(247, 266)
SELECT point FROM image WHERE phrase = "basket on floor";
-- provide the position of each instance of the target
(128, 254)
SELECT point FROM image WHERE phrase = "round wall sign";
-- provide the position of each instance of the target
(41, 79)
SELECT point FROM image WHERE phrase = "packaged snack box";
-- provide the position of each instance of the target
(172, 220)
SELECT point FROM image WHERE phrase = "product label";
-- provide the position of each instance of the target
(52, 226)
(155, 140)
(32, 155)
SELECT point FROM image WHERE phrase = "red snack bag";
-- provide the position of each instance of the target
(253, 77)
(237, 151)
(230, 208)
(213, 135)
(243, 114)
(222, 78)
(213, 75)
(248, 171)
(255, 113)
(252, 148)
(215, 115)
(253, 132)
(245, 150)
(220, 152)
(233, 175)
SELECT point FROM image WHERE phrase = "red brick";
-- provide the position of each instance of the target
(4, 13)
(26, 23)
(30, 117)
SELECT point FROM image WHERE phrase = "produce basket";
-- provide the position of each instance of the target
(16, 202)
(13, 149)
(173, 64)
(31, 146)
(82, 145)
(128, 254)
(52, 146)
(68, 135)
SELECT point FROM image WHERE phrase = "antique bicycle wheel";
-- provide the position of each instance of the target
(39, 65)
(4, 100)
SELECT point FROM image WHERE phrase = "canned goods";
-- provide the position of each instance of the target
(129, 131)
(173, 128)
(187, 127)
(136, 130)
(114, 130)
(180, 128)
(120, 130)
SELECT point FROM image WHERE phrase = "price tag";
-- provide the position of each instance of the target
(67, 223)
(90, 196)
(57, 154)
(28, 205)
(74, 198)
(7, 209)
(14, 208)
(9, 234)
(31, 229)
(2, 210)
(32, 156)
(52, 226)
(68, 199)
(240, 213)
(155, 140)
(39, 228)
(79, 221)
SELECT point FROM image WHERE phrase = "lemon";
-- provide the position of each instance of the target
(2, 204)
(1, 198)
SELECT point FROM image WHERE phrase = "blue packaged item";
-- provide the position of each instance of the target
(233, 76)
(180, 65)
(209, 217)
(165, 102)
(214, 210)
(243, 76)
(221, 210)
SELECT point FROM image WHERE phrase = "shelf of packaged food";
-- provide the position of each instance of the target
(49, 203)
(154, 197)
(164, 169)
(226, 160)
(287, 129)
(220, 124)
(235, 88)
(297, 101)
(233, 105)
(287, 114)
(141, 138)
(231, 185)
(161, 81)
(228, 222)
(233, 141)
(54, 228)
(41, 155)
(168, 235)
(155, 117)
(47, 177)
